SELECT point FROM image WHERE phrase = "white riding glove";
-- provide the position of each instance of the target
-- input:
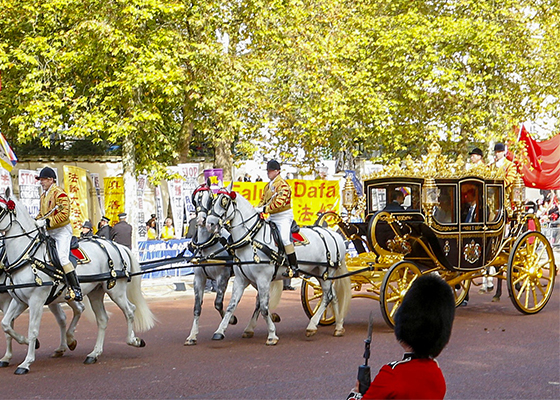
(41, 223)
(259, 209)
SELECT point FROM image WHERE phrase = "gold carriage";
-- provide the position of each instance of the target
(459, 223)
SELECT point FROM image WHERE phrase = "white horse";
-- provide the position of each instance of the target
(322, 256)
(36, 283)
(213, 248)
(67, 340)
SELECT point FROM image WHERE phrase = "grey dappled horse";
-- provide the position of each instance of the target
(323, 255)
(212, 248)
(26, 251)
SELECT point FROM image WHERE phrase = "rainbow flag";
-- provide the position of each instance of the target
(8, 158)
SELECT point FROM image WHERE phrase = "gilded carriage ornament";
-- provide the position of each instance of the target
(472, 252)
(446, 248)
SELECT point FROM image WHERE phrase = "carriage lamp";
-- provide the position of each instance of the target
(349, 196)
(430, 196)
(518, 193)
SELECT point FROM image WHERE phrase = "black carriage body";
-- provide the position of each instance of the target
(464, 232)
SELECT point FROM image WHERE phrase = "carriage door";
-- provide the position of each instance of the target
(495, 219)
(472, 216)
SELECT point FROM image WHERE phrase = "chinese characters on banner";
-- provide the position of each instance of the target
(308, 197)
(140, 188)
(5, 181)
(114, 198)
(76, 187)
(159, 208)
(190, 174)
(175, 188)
(29, 191)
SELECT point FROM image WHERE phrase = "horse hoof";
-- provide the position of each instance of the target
(190, 342)
(271, 342)
(275, 317)
(57, 354)
(247, 335)
(339, 332)
(233, 320)
(4, 364)
(142, 343)
(37, 344)
(218, 336)
(310, 332)
(90, 360)
(72, 345)
(495, 299)
(21, 371)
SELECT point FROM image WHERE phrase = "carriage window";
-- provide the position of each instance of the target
(494, 204)
(471, 202)
(394, 197)
(445, 211)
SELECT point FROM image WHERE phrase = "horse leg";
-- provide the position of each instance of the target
(199, 284)
(77, 310)
(250, 328)
(14, 310)
(221, 286)
(498, 293)
(326, 286)
(121, 300)
(35, 314)
(96, 300)
(264, 294)
(5, 361)
(60, 317)
(239, 286)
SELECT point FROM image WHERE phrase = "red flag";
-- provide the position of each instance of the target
(543, 169)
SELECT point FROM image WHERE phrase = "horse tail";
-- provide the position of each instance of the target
(275, 294)
(343, 288)
(144, 319)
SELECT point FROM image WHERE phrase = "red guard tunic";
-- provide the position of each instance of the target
(411, 378)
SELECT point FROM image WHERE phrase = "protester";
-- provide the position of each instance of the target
(168, 231)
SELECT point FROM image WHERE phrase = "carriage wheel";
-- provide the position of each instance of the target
(329, 220)
(461, 289)
(531, 272)
(395, 284)
(311, 294)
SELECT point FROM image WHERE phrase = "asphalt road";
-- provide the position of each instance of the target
(494, 353)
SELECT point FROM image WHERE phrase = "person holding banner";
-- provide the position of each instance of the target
(277, 201)
(55, 212)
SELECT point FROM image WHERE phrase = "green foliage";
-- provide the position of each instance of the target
(323, 77)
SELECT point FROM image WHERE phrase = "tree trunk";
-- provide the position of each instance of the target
(223, 157)
(186, 133)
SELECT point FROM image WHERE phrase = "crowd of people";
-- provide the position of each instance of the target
(546, 208)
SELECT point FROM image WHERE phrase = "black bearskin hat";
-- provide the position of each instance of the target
(425, 318)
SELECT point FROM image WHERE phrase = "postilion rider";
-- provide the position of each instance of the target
(277, 201)
(55, 211)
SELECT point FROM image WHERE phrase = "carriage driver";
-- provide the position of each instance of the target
(55, 211)
(277, 201)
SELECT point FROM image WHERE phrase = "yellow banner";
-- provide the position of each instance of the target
(308, 197)
(75, 183)
(114, 198)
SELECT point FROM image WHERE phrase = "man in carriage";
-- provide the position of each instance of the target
(55, 211)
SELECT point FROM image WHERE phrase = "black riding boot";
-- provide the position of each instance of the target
(292, 271)
(74, 291)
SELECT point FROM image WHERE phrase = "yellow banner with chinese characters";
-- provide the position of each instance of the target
(308, 197)
(114, 198)
(75, 183)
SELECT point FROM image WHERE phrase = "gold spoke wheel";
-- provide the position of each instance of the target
(396, 282)
(531, 272)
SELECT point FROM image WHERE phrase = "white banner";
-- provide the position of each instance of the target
(190, 173)
(159, 208)
(97, 187)
(175, 188)
(30, 191)
(140, 188)
(5, 181)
